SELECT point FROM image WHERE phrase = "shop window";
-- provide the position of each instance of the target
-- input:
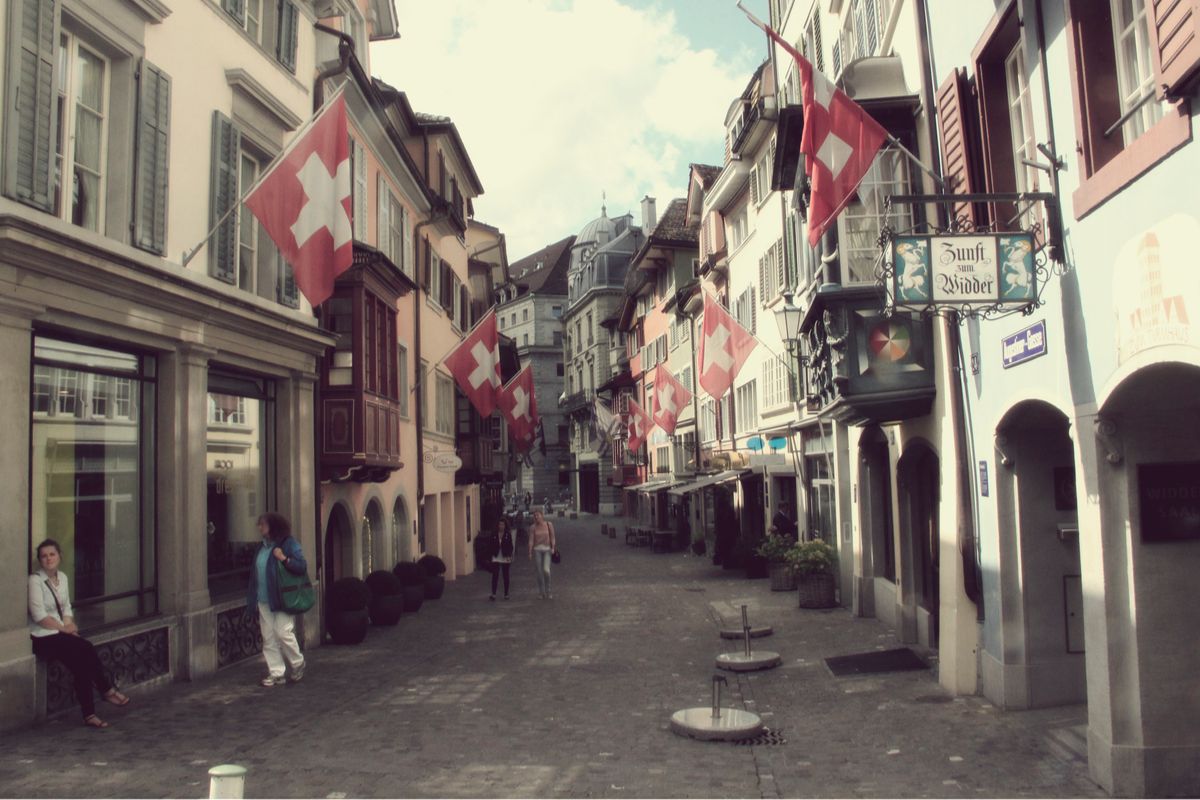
(1122, 126)
(240, 468)
(819, 487)
(92, 475)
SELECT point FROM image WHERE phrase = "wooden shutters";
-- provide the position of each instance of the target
(153, 146)
(959, 140)
(1175, 44)
(30, 118)
(223, 194)
(286, 29)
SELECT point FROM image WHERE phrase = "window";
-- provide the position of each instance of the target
(760, 176)
(556, 312)
(747, 406)
(82, 133)
(436, 275)
(402, 375)
(525, 339)
(738, 228)
(524, 315)
(1135, 76)
(358, 200)
(558, 369)
(862, 24)
(240, 251)
(662, 459)
(745, 311)
(771, 278)
(564, 434)
(865, 216)
(240, 466)
(423, 395)
(558, 338)
(777, 383)
(818, 482)
(1020, 116)
(92, 475)
(270, 24)
(590, 335)
(445, 405)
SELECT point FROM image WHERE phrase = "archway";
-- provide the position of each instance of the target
(917, 478)
(339, 545)
(402, 536)
(877, 589)
(374, 538)
(1033, 652)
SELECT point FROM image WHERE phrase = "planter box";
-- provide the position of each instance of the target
(783, 578)
(816, 590)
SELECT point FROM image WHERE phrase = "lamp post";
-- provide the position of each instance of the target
(788, 317)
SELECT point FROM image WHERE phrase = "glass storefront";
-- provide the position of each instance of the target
(240, 464)
(819, 486)
(92, 475)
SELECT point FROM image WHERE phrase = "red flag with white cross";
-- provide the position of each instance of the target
(670, 399)
(519, 407)
(640, 425)
(839, 141)
(724, 347)
(303, 203)
(475, 365)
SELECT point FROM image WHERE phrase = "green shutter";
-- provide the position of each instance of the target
(222, 248)
(29, 117)
(153, 143)
(285, 43)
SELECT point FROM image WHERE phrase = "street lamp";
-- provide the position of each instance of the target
(788, 317)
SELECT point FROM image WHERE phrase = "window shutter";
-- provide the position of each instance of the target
(223, 194)
(287, 285)
(465, 305)
(781, 281)
(30, 128)
(754, 185)
(447, 288)
(427, 267)
(153, 140)
(235, 9)
(1175, 44)
(406, 227)
(359, 169)
(285, 45)
(819, 60)
(383, 221)
(960, 142)
(753, 312)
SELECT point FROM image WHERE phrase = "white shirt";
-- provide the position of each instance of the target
(42, 605)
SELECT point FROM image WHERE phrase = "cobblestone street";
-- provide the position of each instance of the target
(565, 698)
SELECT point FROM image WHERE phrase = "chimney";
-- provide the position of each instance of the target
(649, 218)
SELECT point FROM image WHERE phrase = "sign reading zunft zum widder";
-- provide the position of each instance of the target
(964, 270)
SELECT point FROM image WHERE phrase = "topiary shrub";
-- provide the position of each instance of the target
(387, 598)
(412, 578)
(434, 585)
(348, 619)
(431, 565)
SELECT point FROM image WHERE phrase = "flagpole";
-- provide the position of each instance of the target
(190, 253)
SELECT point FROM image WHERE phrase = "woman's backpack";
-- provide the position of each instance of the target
(506, 544)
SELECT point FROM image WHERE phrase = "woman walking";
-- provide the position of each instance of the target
(541, 546)
(503, 558)
(277, 625)
(56, 637)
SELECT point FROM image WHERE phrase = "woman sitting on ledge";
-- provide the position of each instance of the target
(56, 638)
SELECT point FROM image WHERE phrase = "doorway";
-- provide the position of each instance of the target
(876, 590)
(918, 477)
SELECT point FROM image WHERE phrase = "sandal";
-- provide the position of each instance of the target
(92, 721)
(116, 698)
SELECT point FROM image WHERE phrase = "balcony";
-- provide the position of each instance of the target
(757, 121)
(625, 475)
(577, 401)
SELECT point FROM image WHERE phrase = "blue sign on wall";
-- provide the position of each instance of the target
(983, 478)
(1024, 345)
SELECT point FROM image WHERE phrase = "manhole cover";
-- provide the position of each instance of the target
(767, 738)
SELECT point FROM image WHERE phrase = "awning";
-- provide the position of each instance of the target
(709, 480)
(649, 486)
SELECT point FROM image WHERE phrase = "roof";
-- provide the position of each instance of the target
(431, 123)
(672, 225)
(551, 276)
(708, 174)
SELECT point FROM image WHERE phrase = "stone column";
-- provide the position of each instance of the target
(296, 483)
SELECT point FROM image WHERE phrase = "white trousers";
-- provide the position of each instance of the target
(279, 640)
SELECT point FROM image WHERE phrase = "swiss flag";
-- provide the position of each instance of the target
(303, 203)
(670, 398)
(640, 425)
(475, 364)
(519, 407)
(724, 347)
(839, 142)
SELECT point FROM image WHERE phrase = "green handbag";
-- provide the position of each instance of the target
(295, 591)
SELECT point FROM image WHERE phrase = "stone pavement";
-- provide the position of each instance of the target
(564, 698)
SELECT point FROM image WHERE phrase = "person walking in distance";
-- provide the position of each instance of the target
(503, 558)
(528, 500)
(277, 625)
(541, 546)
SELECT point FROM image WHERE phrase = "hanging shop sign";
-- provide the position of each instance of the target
(963, 269)
(447, 462)
(1024, 345)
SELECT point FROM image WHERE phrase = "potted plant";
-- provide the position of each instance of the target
(756, 566)
(813, 561)
(412, 581)
(434, 570)
(775, 550)
(387, 600)
(348, 620)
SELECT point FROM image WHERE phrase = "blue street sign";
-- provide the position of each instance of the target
(1024, 345)
(983, 478)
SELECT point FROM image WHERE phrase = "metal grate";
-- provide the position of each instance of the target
(767, 738)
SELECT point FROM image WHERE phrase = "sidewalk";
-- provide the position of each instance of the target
(563, 698)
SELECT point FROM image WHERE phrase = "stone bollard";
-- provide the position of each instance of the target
(226, 782)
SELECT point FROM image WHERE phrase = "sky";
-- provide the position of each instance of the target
(562, 102)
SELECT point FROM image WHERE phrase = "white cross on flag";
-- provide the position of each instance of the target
(670, 399)
(640, 425)
(475, 364)
(303, 203)
(519, 407)
(839, 141)
(724, 347)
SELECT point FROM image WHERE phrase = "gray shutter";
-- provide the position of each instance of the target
(30, 127)
(153, 141)
(285, 44)
(223, 194)
(235, 8)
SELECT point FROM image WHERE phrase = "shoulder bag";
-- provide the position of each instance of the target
(295, 591)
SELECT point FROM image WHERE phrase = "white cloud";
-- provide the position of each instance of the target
(559, 101)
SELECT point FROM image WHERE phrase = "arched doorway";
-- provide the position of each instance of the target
(339, 545)
(1033, 652)
(374, 538)
(918, 479)
(402, 539)
(876, 596)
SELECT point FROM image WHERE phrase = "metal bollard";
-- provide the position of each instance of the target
(717, 680)
(226, 782)
(746, 630)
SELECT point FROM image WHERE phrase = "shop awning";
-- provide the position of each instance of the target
(650, 486)
(709, 480)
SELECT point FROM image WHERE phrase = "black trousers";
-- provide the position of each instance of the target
(497, 568)
(78, 655)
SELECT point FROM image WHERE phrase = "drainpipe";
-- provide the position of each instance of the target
(345, 49)
(419, 384)
(966, 533)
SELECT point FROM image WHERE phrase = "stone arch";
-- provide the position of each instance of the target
(876, 593)
(402, 531)
(338, 546)
(373, 537)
